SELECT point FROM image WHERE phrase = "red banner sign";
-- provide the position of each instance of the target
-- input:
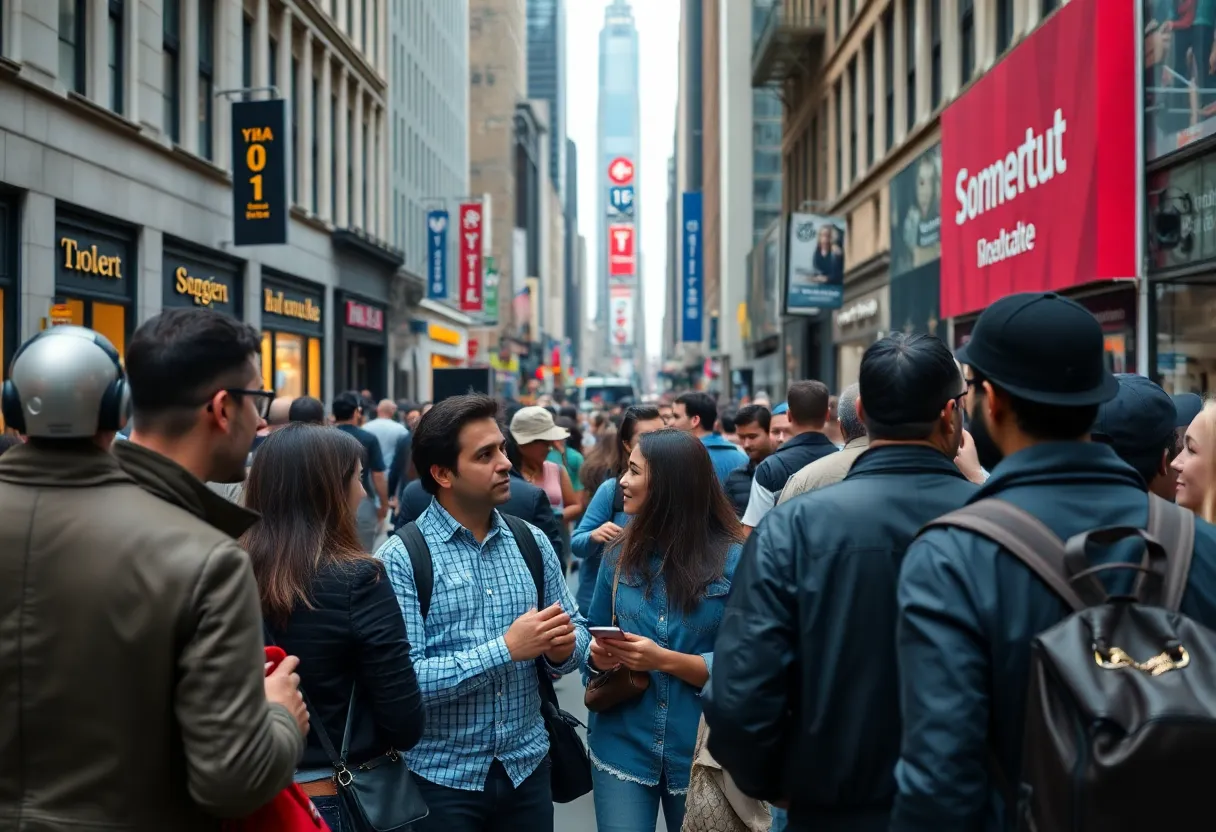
(621, 259)
(1039, 163)
(363, 316)
(471, 294)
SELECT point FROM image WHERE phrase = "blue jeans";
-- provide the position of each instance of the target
(500, 807)
(624, 806)
(331, 812)
(781, 820)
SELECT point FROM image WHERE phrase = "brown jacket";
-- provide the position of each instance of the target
(829, 470)
(131, 692)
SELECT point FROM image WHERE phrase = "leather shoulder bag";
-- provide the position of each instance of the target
(618, 685)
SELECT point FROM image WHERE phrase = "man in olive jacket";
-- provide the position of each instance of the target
(132, 689)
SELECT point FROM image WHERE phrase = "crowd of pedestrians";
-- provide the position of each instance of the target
(969, 592)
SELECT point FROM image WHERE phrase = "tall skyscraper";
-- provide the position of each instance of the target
(547, 77)
(618, 266)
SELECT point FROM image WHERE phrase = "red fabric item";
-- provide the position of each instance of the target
(291, 810)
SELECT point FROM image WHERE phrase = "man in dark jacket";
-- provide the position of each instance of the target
(751, 428)
(803, 703)
(806, 442)
(968, 610)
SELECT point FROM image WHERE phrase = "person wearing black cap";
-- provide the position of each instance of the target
(803, 702)
(968, 609)
(1141, 424)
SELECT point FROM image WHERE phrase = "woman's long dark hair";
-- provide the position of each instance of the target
(300, 484)
(690, 528)
(609, 458)
(575, 442)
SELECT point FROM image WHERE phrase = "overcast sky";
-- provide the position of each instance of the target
(658, 23)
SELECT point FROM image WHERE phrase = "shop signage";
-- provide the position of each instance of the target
(620, 200)
(814, 269)
(93, 261)
(259, 180)
(471, 278)
(443, 335)
(863, 310)
(622, 260)
(291, 309)
(205, 291)
(916, 216)
(193, 282)
(437, 255)
(364, 316)
(88, 260)
(1039, 163)
(489, 315)
(692, 302)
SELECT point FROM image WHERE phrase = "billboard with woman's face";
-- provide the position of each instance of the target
(815, 272)
(916, 218)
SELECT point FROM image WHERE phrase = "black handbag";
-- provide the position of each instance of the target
(377, 796)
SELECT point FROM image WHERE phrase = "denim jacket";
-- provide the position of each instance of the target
(653, 735)
(599, 511)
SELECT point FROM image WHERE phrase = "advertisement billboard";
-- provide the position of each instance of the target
(622, 257)
(916, 213)
(620, 316)
(471, 279)
(1179, 75)
(437, 255)
(814, 272)
(1039, 163)
(692, 300)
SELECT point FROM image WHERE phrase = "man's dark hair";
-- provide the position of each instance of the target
(1046, 422)
(569, 412)
(727, 421)
(700, 404)
(808, 403)
(346, 405)
(753, 414)
(308, 410)
(437, 437)
(179, 358)
(905, 382)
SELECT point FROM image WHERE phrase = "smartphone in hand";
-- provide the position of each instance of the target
(607, 633)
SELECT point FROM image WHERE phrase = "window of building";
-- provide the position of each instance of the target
(838, 21)
(871, 151)
(935, 59)
(171, 51)
(966, 39)
(363, 41)
(888, 73)
(117, 76)
(296, 150)
(368, 145)
(812, 160)
(72, 40)
(910, 59)
(839, 138)
(206, 72)
(350, 19)
(1004, 25)
(853, 116)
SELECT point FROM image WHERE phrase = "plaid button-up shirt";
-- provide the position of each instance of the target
(480, 705)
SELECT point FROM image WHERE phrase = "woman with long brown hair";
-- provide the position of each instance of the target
(327, 601)
(665, 586)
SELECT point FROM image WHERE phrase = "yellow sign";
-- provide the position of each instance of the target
(88, 260)
(204, 291)
(304, 310)
(61, 314)
(443, 335)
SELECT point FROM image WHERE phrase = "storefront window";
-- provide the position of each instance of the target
(107, 318)
(291, 364)
(1186, 340)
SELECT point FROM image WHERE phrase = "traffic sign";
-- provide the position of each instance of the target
(620, 198)
(620, 171)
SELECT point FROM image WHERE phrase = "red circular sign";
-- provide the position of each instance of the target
(620, 172)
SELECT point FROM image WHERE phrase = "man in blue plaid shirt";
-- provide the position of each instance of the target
(482, 763)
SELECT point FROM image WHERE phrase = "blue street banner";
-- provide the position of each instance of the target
(437, 255)
(692, 301)
(620, 200)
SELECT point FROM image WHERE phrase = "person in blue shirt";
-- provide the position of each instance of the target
(665, 585)
(696, 413)
(482, 762)
(605, 517)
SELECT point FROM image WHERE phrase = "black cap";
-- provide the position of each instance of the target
(1139, 422)
(1043, 348)
(1188, 406)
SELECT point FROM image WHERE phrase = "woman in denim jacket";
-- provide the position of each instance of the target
(602, 522)
(676, 560)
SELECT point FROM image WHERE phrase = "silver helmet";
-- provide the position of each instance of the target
(67, 382)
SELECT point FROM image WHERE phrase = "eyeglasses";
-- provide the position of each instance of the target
(261, 398)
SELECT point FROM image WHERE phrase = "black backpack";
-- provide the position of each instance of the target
(1120, 728)
(570, 772)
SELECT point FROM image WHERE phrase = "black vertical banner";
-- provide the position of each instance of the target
(259, 179)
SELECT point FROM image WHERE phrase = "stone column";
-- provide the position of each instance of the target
(880, 88)
(283, 75)
(325, 140)
(342, 150)
(304, 149)
(924, 68)
(260, 76)
(901, 72)
(846, 140)
(358, 218)
(188, 57)
(97, 53)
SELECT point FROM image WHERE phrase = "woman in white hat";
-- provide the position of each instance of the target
(534, 430)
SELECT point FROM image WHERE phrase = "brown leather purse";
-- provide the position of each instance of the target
(613, 687)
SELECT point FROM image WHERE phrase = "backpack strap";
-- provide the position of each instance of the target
(1024, 536)
(1174, 527)
(618, 499)
(522, 533)
(420, 558)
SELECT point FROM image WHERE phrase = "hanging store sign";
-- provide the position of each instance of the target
(620, 315)
(622, 259)
(437, 255)
(471, 278)
(259, 181)
(692, 282)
